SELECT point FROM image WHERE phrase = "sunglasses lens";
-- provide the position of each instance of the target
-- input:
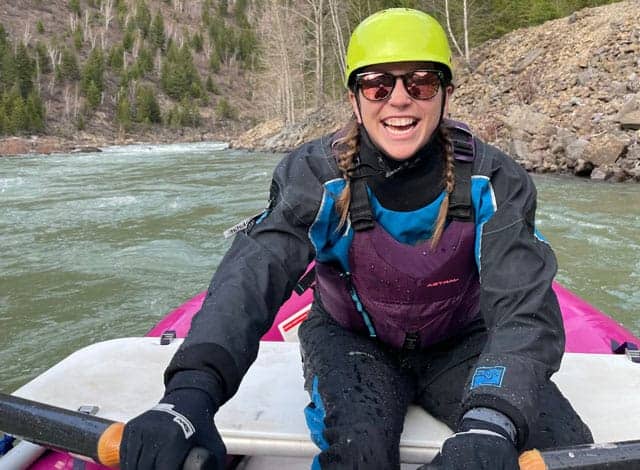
(422, 84)
(376, 86)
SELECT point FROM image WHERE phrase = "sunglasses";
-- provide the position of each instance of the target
(420, 84)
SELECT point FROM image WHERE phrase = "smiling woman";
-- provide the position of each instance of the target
(399, 199)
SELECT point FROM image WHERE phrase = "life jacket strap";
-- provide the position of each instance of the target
(360, 209)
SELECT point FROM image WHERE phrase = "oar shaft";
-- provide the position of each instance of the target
(610, 456)
(78, 433)
(51, 426)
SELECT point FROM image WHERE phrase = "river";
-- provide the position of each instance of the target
(102, 245)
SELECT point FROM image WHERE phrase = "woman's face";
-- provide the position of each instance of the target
(400, 125)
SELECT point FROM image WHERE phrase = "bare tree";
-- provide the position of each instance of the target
(91, 36)
(27, 34)
(107, 13)
(314, 19)
(54, 55)
(87, 28)
(67, 100)
(449, 29)
(73, 23)
(467, 5)
(339, 50)
(281, 34)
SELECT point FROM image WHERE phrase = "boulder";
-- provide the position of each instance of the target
(14, 146)
(605, 150)
(630, 120)
(524, 118)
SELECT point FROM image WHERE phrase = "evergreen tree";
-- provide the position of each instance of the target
(247, 47)
(25, 69)
(147, 107)
(68, 70)
(18, 117)
(4, 38)
(43, 58)
(223, 7)
(34, 109)
(93, 72)
(214, 60)
(93, 94)
(74, 6)
(179, 77)
(222, 38)
(116, 58)
(211, 86)
(78, 38)
(8, 72)
(197, 42)
(127, 40)
(157, 34)
(143, 17)
(225, 111)
(206, 13)
(144, 62)
(123, 111)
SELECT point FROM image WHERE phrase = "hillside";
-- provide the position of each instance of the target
(210, 41)
(563, 96)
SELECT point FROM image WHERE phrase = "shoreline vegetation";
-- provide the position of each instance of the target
(562, 96)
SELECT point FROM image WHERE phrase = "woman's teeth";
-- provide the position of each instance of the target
(399, 125)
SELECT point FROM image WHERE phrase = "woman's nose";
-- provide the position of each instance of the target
(399, 95)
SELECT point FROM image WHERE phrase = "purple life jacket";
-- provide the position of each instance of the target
(408, 296)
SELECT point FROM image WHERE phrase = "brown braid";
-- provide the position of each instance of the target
(449, 183)
(347, 147)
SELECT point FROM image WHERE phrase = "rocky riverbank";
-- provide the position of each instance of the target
(562, 97)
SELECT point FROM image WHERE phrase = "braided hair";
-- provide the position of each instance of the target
(346, 148)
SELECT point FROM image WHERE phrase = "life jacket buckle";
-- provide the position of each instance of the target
(410, 341)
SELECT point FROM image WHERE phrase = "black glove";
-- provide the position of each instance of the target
(477, 446)
(161, 438)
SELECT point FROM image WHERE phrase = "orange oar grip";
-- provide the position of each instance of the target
(109, 445)
(532, 460)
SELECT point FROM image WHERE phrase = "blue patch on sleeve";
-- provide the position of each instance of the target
(488, 376)
(314, 414)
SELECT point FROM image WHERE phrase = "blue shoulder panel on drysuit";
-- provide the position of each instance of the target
(484, 206)
(332, 245)
(410, 227)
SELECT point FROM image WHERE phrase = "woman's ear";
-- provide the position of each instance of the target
(354, 105)
(448, 93)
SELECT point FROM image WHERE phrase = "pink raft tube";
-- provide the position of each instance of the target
(587, 330)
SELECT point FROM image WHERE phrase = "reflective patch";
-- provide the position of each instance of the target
(488, 376)
(246, 223)
(181, 420)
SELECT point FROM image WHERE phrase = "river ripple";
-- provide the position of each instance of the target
(99, 246)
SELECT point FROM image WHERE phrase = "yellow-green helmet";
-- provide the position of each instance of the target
(397, 35)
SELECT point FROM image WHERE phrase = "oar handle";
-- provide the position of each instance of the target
(613, 455)
(198, 458)
(530, 460)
